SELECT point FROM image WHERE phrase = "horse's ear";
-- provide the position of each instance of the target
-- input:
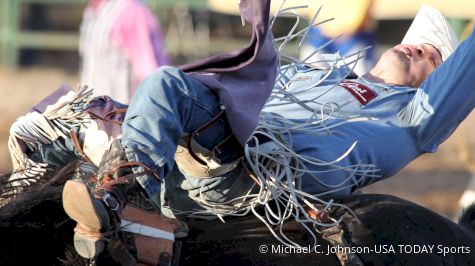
(468, 217)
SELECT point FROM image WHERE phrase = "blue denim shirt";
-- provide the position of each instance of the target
(395, 124)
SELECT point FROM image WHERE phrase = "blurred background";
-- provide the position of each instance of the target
(40, 49)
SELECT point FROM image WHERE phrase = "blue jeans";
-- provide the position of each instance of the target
(167, 105)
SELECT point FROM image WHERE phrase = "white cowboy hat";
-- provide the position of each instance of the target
(430, 26)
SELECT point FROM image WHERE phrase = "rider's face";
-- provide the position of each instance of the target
(409, 65)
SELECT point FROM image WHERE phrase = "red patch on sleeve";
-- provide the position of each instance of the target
(361, 92)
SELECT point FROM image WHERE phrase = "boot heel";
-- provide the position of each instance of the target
(88, 246)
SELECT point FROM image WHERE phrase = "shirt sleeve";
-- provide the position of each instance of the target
(284, 74)
(445, 99)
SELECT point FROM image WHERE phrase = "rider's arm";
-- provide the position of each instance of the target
(445, 99)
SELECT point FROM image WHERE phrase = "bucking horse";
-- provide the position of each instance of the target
(389, 231)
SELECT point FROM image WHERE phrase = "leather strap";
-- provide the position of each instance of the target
(335, 235)
(77, 145)
(152, 250)
(185, 159)
(198, 161)
(120, 253)
(197, 132)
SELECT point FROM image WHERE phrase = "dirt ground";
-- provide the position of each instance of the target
(435, 181)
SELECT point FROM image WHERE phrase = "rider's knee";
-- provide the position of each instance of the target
(163, 81)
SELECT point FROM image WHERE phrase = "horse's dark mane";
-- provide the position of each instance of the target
(468, 217)
(25, 197)
(33, 213)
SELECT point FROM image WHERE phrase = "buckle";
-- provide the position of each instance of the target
(109, 201)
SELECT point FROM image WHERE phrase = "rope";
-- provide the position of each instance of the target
(278, 170)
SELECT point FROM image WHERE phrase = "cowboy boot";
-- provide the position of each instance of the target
(96, 212)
